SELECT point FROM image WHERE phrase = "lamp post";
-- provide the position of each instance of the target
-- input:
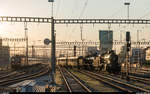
(52, 1)
(53, 49)
(127, 44)
(127, 4)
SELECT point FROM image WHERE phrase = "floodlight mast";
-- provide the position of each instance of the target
(52, 1)
(127, 37)
(127, 4)
(53, 49)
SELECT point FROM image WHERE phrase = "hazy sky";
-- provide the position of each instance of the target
(73, 9)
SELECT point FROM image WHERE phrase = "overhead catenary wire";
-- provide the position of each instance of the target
(74, 8)
(80, 15)
(148, 14)
(58, 7)
(117, 12)
(82, 12)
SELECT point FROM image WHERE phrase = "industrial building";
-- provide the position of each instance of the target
(138, 55)
(106, 40)
(4, 55)
(147, 50)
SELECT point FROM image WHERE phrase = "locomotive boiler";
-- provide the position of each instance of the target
(109, 62)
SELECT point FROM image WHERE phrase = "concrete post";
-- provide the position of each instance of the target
(53, 56)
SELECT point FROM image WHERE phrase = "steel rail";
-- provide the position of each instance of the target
(143, 80)
(139, 79)
(22, 78)
(71, 74)
(66, 82)
(126, 84)
(76, 79)
(111, 84)
(9, 76)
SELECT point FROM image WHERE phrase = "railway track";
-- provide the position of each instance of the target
(139, 71)
(139, 74)
(22, 77)
(73, 83)
(145, 81)
(139, 79)
(123, 86)
(5, 72)
(11, 75)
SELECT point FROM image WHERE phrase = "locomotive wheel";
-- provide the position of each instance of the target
(108, 69)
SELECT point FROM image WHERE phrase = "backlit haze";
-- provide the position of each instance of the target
(73, 9)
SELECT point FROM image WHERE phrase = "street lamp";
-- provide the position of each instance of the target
(53, 48)
(127, 4)
(128, 43)
(52, 1)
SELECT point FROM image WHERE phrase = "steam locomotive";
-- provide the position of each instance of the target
(109, 62)
(105, 62)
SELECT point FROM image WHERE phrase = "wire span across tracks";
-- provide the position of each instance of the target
(73, 21)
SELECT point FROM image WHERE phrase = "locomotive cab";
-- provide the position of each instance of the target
(109, 62)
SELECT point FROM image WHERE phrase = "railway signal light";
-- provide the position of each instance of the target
(127, 36)
(128, 40)
(128, 46)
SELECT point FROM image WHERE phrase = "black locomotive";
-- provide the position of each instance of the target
(109, 62)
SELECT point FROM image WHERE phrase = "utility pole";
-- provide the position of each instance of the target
(53, 57)
(128, 45)
(14, 48)
(138, 46)
(53, 49)
(52, 85)
(128, 48)
(81, 27)
(26, 37)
